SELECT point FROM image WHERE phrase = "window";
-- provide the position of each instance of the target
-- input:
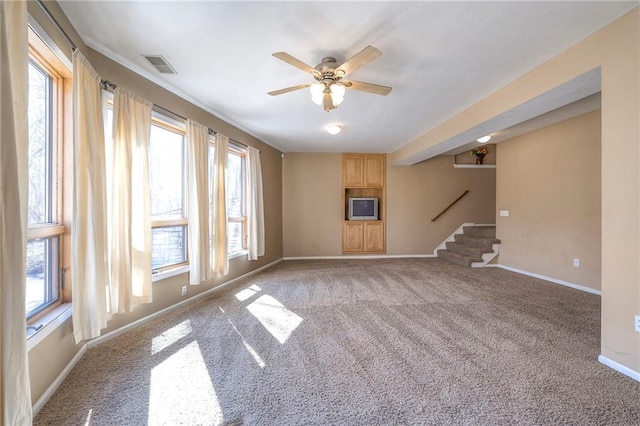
(167, 187)
(236, 198)
(235, 191)
(49, 94)
(167, 183)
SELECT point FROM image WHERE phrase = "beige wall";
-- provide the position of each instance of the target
(615, 49)
(49, 357)
(418, 193)
(549, 180)
(312, 204)
(313, 211)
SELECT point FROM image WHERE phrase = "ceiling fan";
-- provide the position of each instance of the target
(330, 85)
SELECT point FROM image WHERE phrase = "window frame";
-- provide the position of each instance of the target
(164, 122)
(58, 158)
(241, 151)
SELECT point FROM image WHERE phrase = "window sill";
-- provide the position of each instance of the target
(238, 254)
(170, 273)
(184, 269)
(49, 323)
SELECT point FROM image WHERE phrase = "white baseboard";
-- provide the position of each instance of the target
(365, 256)
(108, 336)
(619, 368)
(58, 381)
(553, 280)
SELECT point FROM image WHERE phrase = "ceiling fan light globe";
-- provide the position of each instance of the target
(316, 89)
(337, 100)
(337, 90)
(317, 93)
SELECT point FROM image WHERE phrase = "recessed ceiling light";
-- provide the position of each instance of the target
(333, 129)
(484, 139)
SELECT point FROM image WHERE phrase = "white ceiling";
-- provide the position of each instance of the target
(439, 57)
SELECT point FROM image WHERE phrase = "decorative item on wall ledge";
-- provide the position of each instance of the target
(479, 153)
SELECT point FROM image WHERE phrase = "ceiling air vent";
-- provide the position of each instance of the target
(160, 63)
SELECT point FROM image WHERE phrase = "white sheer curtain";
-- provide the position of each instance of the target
(89, 267)
(255, 204)
(219, 254)
(198, 201)
(130, 211)
(15, 399)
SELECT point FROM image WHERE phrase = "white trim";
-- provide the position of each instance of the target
(49, 323)
(170, 273)
(619, 368)
(369, 256)
(450, 238)
(553, 280)
(474, 166)
(487, 257)
(237, 254)
(108, 336)
(58, 381)
(185, 269)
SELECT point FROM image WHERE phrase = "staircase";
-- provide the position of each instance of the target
(470, 245)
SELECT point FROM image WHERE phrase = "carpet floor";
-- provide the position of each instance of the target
(358, 342)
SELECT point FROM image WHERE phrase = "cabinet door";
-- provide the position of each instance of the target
(353, 237)
(374, 237)
(374, 171)
(352, 170)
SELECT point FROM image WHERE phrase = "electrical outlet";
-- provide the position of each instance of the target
(637, 323)
(576, 263)
(184, 290)
(504, 213)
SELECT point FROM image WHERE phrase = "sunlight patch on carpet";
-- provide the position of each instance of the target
(257, 358)
(88, 421)
(275, 317)
(170, 336)
(181, 388)
(247, 293)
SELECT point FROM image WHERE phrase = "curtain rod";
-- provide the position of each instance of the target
(56, 23)
(106, 84)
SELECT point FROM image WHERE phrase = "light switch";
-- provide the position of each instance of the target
(504, 213)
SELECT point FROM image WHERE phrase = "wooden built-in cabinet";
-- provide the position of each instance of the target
(363, 170)
(363, 175)
(361, 236)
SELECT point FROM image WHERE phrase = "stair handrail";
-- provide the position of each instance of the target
(450, 205)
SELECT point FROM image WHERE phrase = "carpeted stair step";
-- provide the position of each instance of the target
(471, 246)
(480, 231)
(457, 258)
(467, 250)
(473, 241)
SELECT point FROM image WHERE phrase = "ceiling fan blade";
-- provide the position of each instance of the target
(283, 56)
(361, 58)
(376, 89)
(288, 89)
(328, 102)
